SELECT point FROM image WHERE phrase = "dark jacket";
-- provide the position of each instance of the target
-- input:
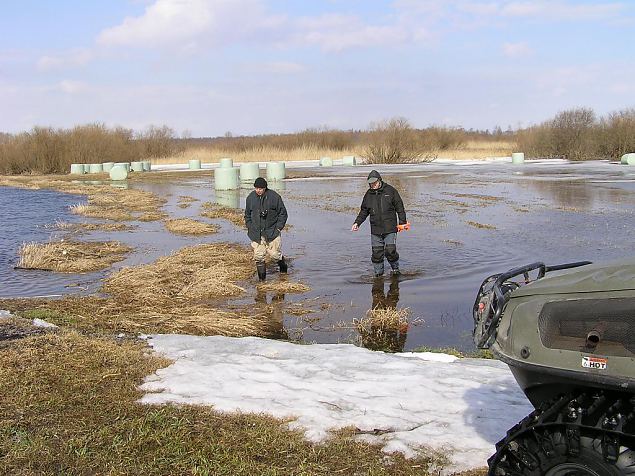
(383, 205)
(274, 220)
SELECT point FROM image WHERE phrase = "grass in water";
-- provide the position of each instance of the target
(283, 287)
(71, 256)
(213, 210)
(81, 416)
(188, 226)
(62, 225)
(180, 293)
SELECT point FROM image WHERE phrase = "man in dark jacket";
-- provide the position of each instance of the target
(384, 205)
(265, 217)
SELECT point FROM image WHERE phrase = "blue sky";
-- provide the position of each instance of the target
(205, 67)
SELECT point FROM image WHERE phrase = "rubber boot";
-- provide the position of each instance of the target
(395, 268)
(283, 265)
(262, 271)
(378, 269)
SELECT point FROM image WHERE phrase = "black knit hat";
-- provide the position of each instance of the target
(260, 183)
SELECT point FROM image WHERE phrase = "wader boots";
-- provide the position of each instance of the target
(261, 266)
(283, 265)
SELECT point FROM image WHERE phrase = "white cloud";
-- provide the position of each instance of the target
(76, 57)
(72, 87)
(163, 22)
(467, 12)
(339, 32)
(560, 10)
(516, 50)
(189, 25)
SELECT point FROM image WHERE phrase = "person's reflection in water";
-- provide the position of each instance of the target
(274, 310)
(380, 337)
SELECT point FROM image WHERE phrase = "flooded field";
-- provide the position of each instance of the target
(468, 221)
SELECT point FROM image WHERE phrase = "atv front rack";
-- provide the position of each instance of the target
(495, 292)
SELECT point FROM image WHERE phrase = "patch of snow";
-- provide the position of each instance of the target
(430, 356)
(461, 407)
(4, 314)
(42, 323)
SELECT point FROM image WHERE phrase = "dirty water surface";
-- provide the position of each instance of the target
(468, 221)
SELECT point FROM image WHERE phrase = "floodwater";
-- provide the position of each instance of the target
(468, 221)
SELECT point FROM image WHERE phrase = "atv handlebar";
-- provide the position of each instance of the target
(501, 297)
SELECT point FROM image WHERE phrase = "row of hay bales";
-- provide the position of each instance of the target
(347, 161)
(228, 177)
(106, 167)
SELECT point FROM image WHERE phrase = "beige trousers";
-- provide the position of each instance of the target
(265, 248)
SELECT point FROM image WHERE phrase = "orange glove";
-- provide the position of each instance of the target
(404, 227)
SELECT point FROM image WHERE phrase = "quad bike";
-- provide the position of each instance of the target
(569, 341)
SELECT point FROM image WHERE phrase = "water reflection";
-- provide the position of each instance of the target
(387, 336)
(274, 309)
(277, 185)
(228, 198)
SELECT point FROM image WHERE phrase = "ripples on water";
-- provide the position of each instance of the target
(536, 212)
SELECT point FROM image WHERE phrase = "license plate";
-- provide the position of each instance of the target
(595, 363)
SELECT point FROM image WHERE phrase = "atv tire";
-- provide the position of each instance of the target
(546, 453)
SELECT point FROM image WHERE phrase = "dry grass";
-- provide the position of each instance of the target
(480, 150)
(201, 272)
(389, 318)
(188, 226)
(62, 225)
(283, 287)
(104, 201)
(261, 154)
(93, 211)
(80, 416)
(152, 216)
(71, 256)
(175, 294)
(185, 201)
(213, 210)
(483, 226)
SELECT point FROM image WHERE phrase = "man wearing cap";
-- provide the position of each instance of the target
(265, 217)
(384, 205)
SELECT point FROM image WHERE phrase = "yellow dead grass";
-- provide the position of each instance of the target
(62, 225)
(262, 154)
(104, 201)
(71, 256)
(387, 317)
(283, 287)
(201, 272)
(179, 293)
(188, 226)
(480, 150)
(213, 210)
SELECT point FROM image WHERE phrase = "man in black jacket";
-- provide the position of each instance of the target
(265, 217)
(384, 205)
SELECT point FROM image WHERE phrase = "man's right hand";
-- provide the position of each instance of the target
(355, 227)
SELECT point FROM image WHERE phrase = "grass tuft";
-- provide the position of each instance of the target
(188, 226)
(71, 256)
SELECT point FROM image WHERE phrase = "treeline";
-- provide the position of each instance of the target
(578, 134)
(47, 150)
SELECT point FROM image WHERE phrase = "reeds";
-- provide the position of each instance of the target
(71, 256)
(389, 318)
(213, 210)
(61, 225)
(199, 272)
(283, 287)
(188, 226)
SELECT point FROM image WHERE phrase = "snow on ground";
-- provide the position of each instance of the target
(459, 406)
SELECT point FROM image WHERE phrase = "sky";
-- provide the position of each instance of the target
(460, 407)
(208, 67)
